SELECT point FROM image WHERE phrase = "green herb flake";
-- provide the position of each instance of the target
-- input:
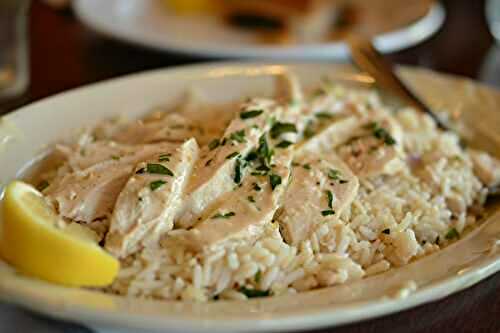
(223, 216)
(334, 174)
(281, 128)
(156, 184)
(329, 196)
(327, 212)
(115, 157)
(306, 166)
(42, 185)
(233, 154)
(309, 130)
(207, 163)
(386, 231)
(214, 144)
(251, 199)
(158, 169)
(258, 276)
(452, 233)
(284, 144)
(237, 171)
(238, 136)
(256, 187)
(263, 151)
(164, 157)
(274, 180)
(380, 133)
(323, 115)
(253, 293)
(251, 114)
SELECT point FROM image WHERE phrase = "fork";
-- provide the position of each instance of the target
(367, 58)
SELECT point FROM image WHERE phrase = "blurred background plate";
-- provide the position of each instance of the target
(154, 24)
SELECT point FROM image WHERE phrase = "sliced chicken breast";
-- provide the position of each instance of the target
(374, 149)
(321, 187)
(146, 207)
(213, 174)
(90, 191)
(243, 213)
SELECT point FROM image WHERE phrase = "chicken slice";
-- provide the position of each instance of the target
(322, 186)
(288, 89)
(243, 213)
(213, 174)
(170, 127)
(336, 133)
(486, 167)
(374, 149)
(146, 207)
(90, 191)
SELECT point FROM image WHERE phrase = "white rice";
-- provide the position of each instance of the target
(355, 245)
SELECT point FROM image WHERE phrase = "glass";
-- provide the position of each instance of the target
(14, 75)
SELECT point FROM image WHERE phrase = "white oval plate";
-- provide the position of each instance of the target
(456, 267)
(148, 23)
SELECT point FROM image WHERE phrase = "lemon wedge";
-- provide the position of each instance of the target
(32, 241)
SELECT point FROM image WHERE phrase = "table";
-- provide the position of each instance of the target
(65, 54)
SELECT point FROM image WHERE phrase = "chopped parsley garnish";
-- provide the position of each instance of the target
(334, 174)
(164, 157)
(42, 185)
(280, 128)
(115, 157)
(238, 136)
(252, 293)
(263, 151)
(208, 162)
(251, 114)
(214, 144)
(223, 216)
(309, 130)
(258, 276)
(306, 166)
(323, 115)
(327, 212)
(275, 180)
(319, 92)
(263, 168)
(251, 199)
(452, 233)
(156, 184)
(233, 154)
(158, 169)
(386, 231)
(284, 144)
(381, 133)
(238, 166)
(329, 195)
(223, 142)
(295, 164)
(256, 187)
(343, 181)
